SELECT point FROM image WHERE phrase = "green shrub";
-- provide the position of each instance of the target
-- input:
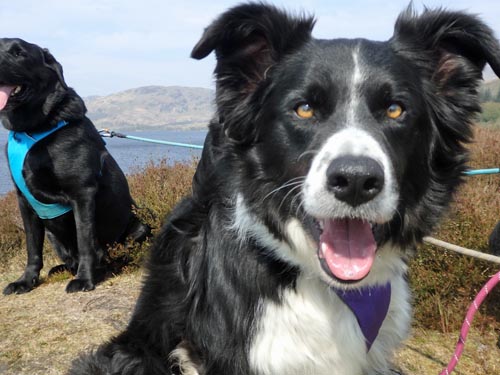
(158, 187)
(490, 114)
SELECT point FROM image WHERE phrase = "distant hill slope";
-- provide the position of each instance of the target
(493, 85)
(152, 107)
(184, 108)
(493, 89)
(490, 98)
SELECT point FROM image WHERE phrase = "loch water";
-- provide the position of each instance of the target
(131, 155)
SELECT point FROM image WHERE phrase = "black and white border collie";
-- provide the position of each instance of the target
(326, 163)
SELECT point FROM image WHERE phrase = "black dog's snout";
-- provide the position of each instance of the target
(355, 179)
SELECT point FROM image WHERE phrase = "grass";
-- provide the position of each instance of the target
(428, 352)
(11, 233)
(41, 332)
(158, 187)
(444, 282)
(491, 114)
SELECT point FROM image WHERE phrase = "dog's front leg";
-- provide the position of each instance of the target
(35, 232)
(89, 251)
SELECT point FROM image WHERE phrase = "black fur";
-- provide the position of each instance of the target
(71, 166)
(494, 240)
(205, 281)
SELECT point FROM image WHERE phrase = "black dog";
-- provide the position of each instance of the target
(327, 162)
(67, 182)
(494, 240)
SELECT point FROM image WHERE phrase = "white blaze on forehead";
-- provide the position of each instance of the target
(356, 79)
(351, 140)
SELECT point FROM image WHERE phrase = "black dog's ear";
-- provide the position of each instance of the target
(51, 63)
(248, 40)
(456, 45)
(74, 107)
(450, 49)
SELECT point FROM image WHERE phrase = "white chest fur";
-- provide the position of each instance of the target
(312, 332)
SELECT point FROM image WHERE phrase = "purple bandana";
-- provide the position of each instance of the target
(370, 306)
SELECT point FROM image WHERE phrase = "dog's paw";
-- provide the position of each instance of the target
(80, 285)
(58, 269)
(20, 286)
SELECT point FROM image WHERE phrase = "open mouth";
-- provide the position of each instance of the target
(346, 248)
(7, 92)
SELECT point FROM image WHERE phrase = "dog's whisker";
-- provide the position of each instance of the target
(289, 183)
(281, 188)
(306, 153)
(300, 209)
(287, 194)
(401, 220)
(295, 199)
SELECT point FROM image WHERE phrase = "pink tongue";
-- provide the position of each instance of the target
(348, 247)
(4, 95)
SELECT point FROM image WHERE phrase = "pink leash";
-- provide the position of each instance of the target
(468, 321)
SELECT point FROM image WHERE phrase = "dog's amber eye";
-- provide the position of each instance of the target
(394, 111)
(304, 111)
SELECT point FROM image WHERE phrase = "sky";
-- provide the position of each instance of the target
(108, 46)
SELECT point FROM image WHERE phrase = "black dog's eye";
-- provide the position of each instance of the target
(394, 111)
(304, 111)
(16, 51)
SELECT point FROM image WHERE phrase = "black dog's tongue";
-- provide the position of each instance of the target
(5, 92)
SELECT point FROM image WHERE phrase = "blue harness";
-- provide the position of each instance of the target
(18, 146)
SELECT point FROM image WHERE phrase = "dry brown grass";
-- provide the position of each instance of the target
(11, 233)
(428, 352)
(43, 331)
(444, 283)
(158, 187)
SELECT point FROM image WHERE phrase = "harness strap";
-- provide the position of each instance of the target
(18, 146)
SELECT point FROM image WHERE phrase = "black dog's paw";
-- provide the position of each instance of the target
(20, 286)
(58, 269)
(138, 232)
(80, 285)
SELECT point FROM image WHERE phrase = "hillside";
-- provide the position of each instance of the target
(158, 107)
(490, 99)
(493, 85)
(490, 91)
(188, 108)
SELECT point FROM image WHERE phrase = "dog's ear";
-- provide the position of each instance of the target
(74, 107)
(453, 47)
(51, 63)
(449, 50)
(248, 40)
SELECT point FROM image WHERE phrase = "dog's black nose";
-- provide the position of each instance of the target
(355, 179)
